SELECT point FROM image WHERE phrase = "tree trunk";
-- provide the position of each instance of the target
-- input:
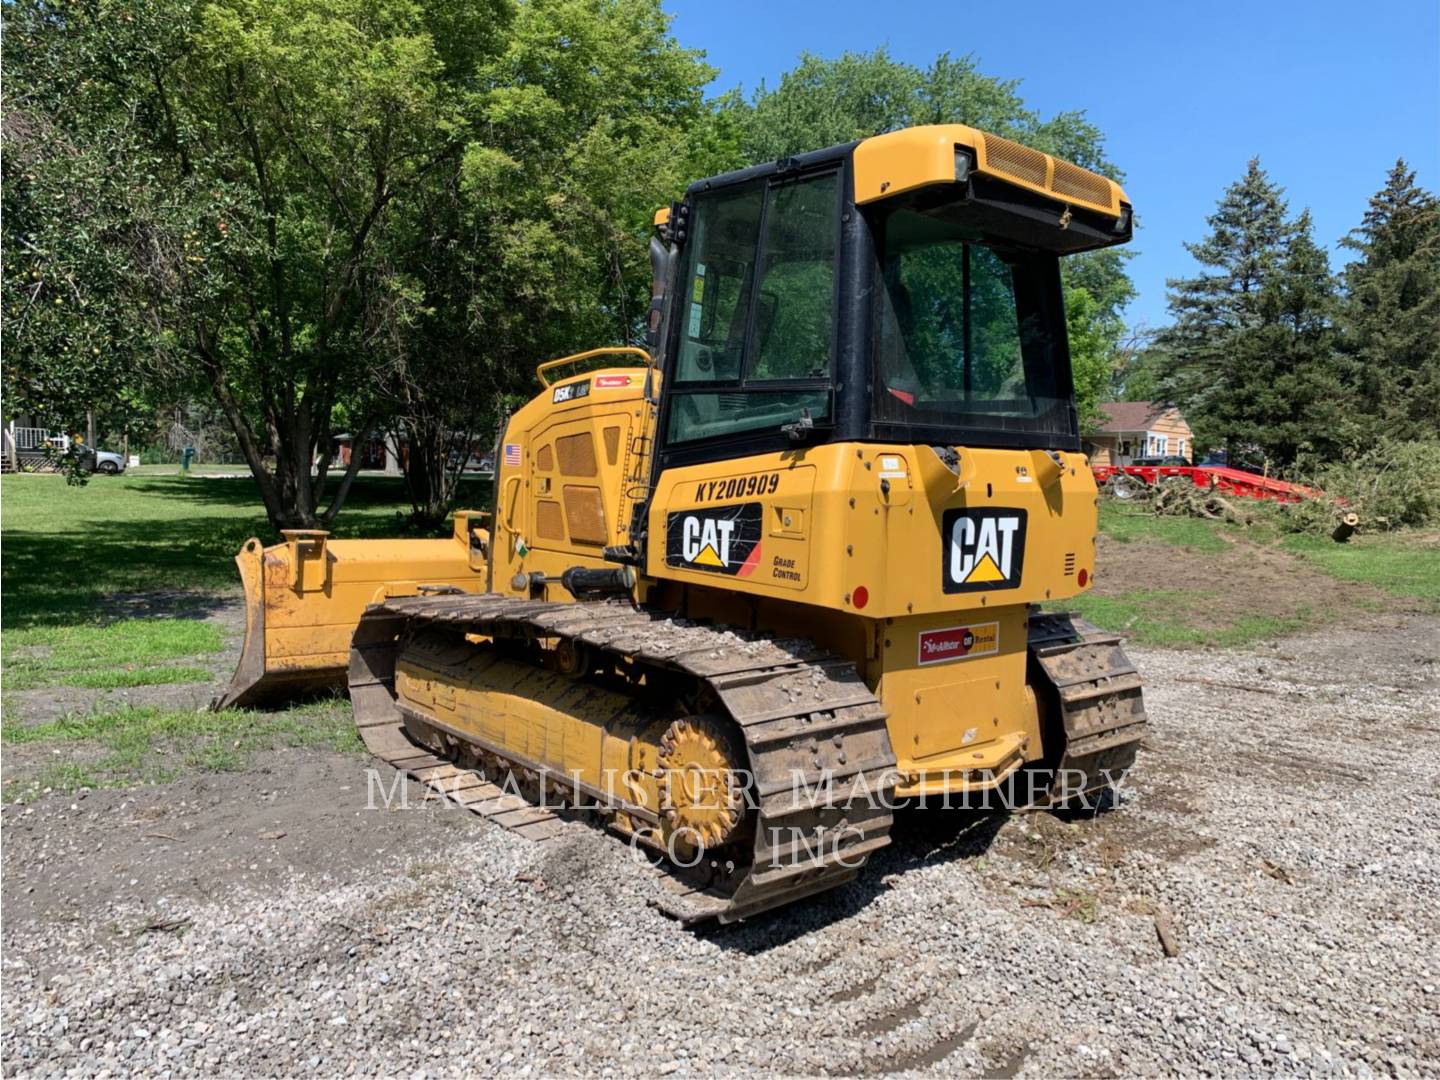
(281, 490)
(429, 477)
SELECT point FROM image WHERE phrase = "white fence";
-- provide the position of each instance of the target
(35, 438)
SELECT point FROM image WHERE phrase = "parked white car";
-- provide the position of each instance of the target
(107, 462)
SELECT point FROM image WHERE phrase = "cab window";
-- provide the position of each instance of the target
(757, 322)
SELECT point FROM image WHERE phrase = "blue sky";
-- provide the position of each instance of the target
(1328, 94)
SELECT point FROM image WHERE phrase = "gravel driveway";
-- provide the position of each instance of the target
(1283, 813)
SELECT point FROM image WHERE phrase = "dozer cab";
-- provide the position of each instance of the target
(744, 589)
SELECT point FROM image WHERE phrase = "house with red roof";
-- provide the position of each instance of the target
(1139, 429)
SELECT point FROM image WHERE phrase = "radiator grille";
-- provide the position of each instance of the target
(577, 455)
(549, 524)
(585, 512)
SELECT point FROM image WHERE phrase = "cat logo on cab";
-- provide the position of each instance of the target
(983, 549)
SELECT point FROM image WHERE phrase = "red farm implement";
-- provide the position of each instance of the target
(1219, 478)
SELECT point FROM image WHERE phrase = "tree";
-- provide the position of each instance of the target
(1391, 311)
(534, 245)
(262, 146)
(374, 210)
(823, 102)
(73, 326)
(1092, 355)
(1252, 351)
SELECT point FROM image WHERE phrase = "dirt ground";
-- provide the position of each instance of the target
(1247, 575)
(1281, 815)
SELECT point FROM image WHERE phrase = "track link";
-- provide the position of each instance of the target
(1098, 694)
(819, 750)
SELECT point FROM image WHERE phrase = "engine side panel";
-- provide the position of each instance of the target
(570, 467)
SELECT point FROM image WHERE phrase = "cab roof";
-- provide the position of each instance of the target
(915, 157)
(901, 161)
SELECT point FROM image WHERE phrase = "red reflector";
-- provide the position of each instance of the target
(860, 597)
(1082, 577)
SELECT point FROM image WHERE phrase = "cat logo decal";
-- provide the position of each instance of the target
(983, 549)
(716, 539)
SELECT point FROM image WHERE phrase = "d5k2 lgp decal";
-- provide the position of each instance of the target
(982, 549)
(716, 539)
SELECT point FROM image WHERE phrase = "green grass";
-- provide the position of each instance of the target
(1167, 618)
(109, 679)
(69, 549)
(1129, 523)
(105, 586)
(1401, 564)
(124, 653)
(127, 746)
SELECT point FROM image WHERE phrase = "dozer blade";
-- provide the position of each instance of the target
(304, 598)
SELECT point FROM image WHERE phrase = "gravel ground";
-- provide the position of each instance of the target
(1284, 813)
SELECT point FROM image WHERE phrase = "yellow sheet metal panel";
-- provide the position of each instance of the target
(954, 688)
(737, 522)
(901, 161)
(879, 530)
(572, 462)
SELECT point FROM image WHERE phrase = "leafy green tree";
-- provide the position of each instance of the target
(374, 213)
(1092, 353)
(585, 120)
(1391, 311)
(1252, 350)
(73, 325)
(263, 147)
(1141, 368)
(822, 102)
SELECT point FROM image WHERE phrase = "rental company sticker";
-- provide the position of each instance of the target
(605, 382)
(959, 643)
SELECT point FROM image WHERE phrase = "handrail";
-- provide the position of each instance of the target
(609, 350)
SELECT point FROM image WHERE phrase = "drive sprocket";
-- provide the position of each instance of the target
(703, 791)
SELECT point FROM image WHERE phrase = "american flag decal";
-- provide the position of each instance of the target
(512, 455)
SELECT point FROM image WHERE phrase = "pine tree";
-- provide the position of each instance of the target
(1253, 362)
(1293, 390)
(1391, 313)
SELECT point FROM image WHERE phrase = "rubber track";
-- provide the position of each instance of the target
(1099, 693)
(805, 715)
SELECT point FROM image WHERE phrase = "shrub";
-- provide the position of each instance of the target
(1392, 485)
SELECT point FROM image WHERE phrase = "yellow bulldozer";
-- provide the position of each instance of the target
(742, 592)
